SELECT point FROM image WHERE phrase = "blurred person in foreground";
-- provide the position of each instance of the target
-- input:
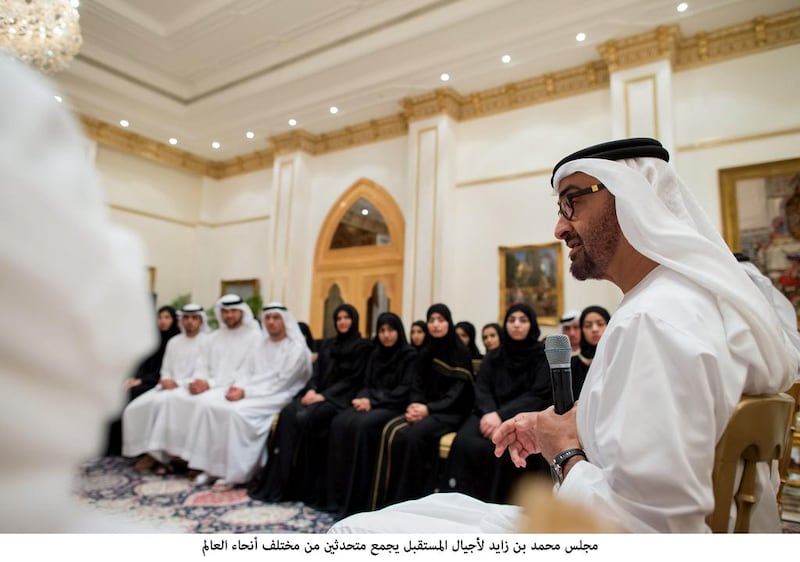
(78, 316)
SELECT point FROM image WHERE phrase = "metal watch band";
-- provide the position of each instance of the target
(564, 456)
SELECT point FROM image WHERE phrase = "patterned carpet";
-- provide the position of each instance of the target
(172, 503)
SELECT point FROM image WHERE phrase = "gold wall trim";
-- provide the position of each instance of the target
(654, 115)
(754, 36)
(509, 177)
(234, 222)
(149, 149)
(155, 216)
(190, 224)
(654, 45)
(662, 43)
(714, 143)
(374, 130)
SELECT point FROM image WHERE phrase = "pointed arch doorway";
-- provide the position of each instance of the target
(358, 259)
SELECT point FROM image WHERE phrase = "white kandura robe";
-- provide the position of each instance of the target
(659, 364)
(139, 430)
(228, 439)
(223, 355)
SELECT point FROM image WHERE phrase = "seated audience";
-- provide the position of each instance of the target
(296, 466)
(419, 334)
(356, 431)
(147, 374)
(442, 396)
(227, 436)
(466, 333)
(570, 327)
(593, 322)
(491, 334)
(309, 337)
(141, 435)
(514, 378)
(679, 353)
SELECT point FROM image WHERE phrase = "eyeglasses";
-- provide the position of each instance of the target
(565, 207)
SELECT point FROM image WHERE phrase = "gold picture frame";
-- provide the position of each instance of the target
(533, 275)
(151, 278)
(760, 206)
(245, 288)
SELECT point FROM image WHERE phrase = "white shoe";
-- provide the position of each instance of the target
(202, 479)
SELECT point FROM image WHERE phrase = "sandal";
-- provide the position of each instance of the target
(145, 462)
(163, 469)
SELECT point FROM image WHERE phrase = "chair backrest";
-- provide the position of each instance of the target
(756, 432)
(794, 392)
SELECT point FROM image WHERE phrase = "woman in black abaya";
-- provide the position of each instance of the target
(355, 432)
(297, 462)
(514, 378)
(442, 396)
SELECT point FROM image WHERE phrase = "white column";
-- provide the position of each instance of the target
(641, 103)
(432, 174)
(291, 253)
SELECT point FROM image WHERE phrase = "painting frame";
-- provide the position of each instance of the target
(245, 288)
(533, 274)
(760, 207)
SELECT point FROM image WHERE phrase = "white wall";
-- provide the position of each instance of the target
(235, 234)
(162, 206)
(740, 104)
(521, 211)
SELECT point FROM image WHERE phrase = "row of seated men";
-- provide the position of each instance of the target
(362, 428)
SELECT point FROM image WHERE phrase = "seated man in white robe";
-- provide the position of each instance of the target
(228, 435)
(692, 334)
(140, 431)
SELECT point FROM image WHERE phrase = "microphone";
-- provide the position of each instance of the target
(559, 353)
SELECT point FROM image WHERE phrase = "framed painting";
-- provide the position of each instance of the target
(245, 288)
(761, 219)
(532, 275)
(151, 278)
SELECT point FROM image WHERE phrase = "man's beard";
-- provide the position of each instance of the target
(592, 259)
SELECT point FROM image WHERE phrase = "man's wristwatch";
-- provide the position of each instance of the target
(557, 468)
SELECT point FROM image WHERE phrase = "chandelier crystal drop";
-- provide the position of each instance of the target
(43, 33)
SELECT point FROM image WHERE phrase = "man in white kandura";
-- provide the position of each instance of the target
(228, 435)
(692, 334)
(143, 429)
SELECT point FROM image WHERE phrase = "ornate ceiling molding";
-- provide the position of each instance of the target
(347, 137)
(662, 43)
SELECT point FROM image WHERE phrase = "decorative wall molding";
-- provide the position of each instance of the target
(180, 222)
(714, 143)
(149, 149)
(347, 137)
(664, 42)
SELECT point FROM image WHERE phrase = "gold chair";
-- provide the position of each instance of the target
(445, 442)
(756, 432)
(794, 392)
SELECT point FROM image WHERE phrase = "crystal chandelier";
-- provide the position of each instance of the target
(43, 33)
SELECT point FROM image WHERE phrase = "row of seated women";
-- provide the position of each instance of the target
(365, 431)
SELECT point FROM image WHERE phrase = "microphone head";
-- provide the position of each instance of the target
(558, 350)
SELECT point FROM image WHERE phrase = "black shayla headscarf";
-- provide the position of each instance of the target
(588, 350)
(448, 349)
(469, 328)
(424, 327)
(388, 361)
(347, 345)
(519, 353)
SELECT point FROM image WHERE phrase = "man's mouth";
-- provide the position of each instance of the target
(574, 245)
